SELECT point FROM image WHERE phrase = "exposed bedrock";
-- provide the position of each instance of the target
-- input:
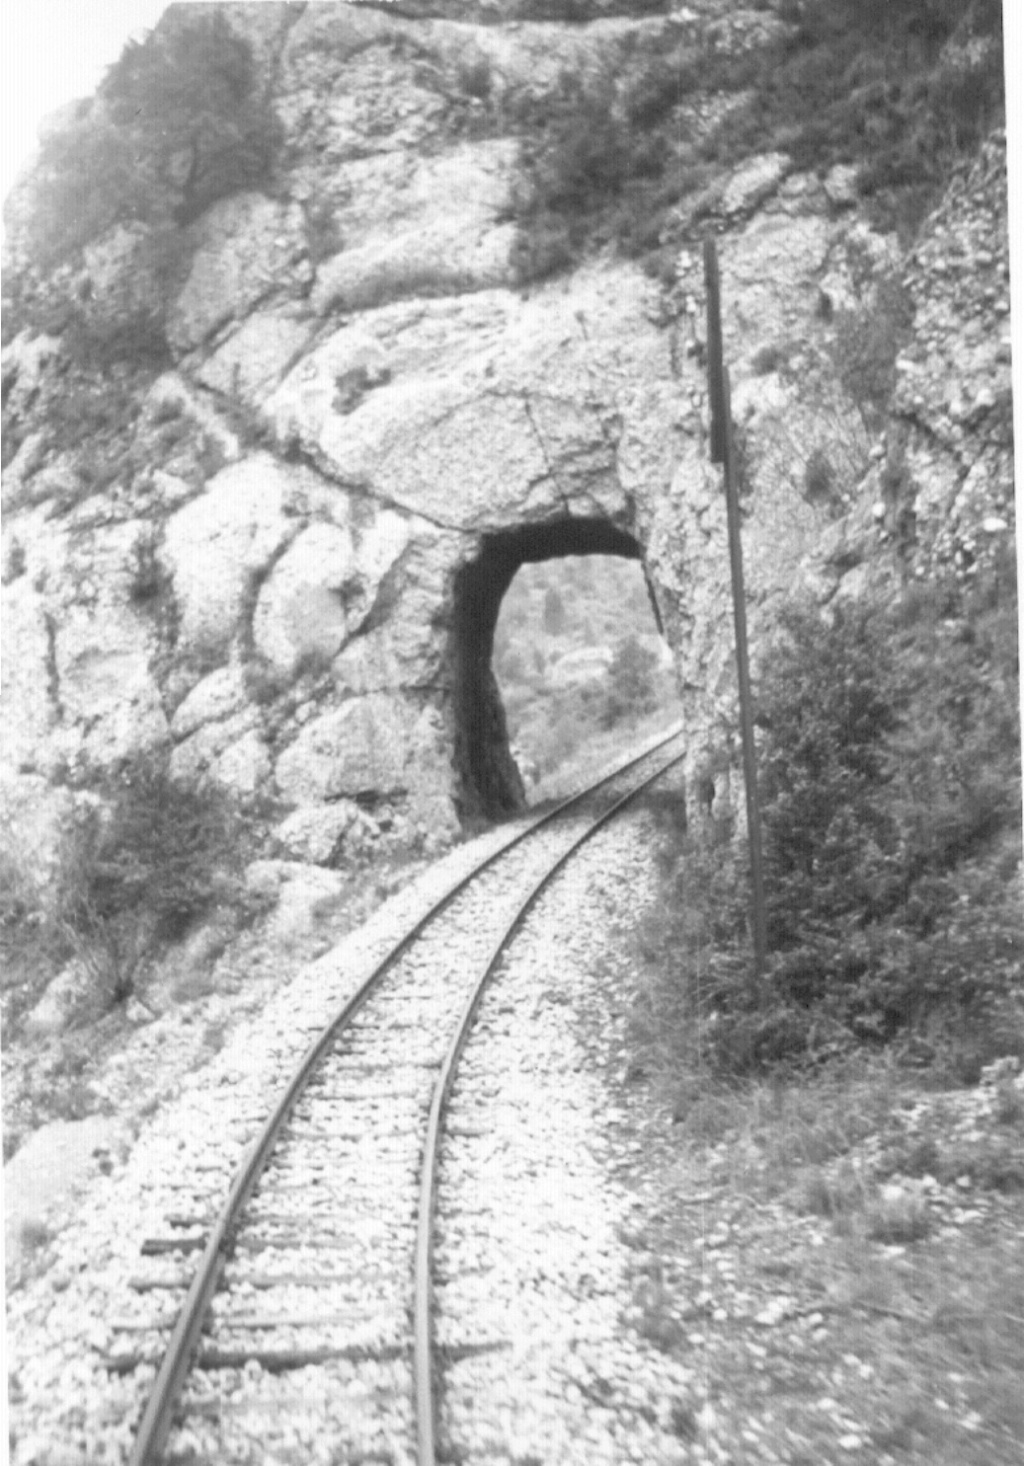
(367, 427)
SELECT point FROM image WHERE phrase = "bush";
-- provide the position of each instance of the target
(902, 90)
(819, 478)
(579, 164)
(890, 788)
(593, 169)
(179, 123)
(140, 862)
(866, 344)
(160, 847)
(632, 688)
(767, 359)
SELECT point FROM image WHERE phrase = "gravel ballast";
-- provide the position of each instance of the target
(96, 1302)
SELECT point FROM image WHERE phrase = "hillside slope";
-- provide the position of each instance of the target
(390, 306)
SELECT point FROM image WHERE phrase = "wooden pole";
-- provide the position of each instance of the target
(722, 451)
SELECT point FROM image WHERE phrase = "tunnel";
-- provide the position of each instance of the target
(488, 783)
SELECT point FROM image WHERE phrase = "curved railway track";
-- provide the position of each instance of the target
(310, 1271)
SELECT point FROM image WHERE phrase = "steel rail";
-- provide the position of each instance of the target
(157, 1417)
(423, 1340)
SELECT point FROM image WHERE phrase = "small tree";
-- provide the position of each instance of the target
(150, 858)
(180, 121)
(190, 95)
(867, 343)
(828, 708)
(632, 690)
(890, 779)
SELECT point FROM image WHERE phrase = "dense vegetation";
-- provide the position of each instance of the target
(620, 158)
(576, 656)
(142, 860)
(890, 781)
(180, 121)
(890, 758)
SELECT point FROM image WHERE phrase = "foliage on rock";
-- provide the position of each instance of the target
(899, 91)
(142, 859)
(181, 122)
(890, 785)
(597, 606)
(632, 690)
(866, 343)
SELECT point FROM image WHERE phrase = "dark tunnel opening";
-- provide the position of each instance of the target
(489, 784)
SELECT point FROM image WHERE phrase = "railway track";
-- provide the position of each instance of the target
(308, 1325)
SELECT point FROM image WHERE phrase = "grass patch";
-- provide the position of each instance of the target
(835, 1306)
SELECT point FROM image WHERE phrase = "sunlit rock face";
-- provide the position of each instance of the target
(367, 425)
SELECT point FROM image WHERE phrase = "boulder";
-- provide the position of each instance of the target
(333, 377)
(297, 889)
(362, 747)
(34, 811)
(316, 833)
(413, 249)
(231, 752)
(454, 256)
(752, 183)
(219, 546)
(102, 661)
(61, 1002)
(249, 248)
(45, 1172)
(216, 698)
(26, 693)
(254, 359)
(303, 610)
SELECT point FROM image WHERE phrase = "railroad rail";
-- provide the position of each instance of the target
(347, 1161)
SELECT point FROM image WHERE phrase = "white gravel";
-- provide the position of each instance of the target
(540, 1213)
(535, 1272)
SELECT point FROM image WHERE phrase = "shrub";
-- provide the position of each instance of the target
(767, 359)
(139, 863)
(890, 786)
(871, 83)
(593, 167)
(632, 689)
(475, 78)
(580, 162)
(866, 344)
(819, 478)
(165, 847)
(180, 122)
(324, 236)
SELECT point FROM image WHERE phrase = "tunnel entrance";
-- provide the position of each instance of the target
(490, 785)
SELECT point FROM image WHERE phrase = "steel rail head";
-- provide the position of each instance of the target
(158, 1413)
(423, 1342)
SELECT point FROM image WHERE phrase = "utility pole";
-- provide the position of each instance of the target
(722, 452)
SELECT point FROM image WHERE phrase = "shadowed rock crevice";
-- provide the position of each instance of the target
(488, 783)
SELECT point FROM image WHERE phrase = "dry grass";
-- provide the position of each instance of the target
(841, 1258)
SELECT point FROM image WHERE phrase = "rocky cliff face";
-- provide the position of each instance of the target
(279, 559)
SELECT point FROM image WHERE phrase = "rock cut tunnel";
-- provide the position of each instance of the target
(488, 783)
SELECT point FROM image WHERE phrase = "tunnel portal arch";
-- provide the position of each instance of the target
(488, 783)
